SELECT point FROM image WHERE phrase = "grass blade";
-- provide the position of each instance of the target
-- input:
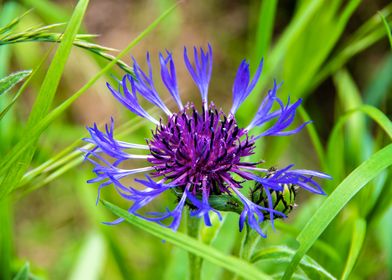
(381, 82)
(283, 254)
(334, 144)
(23, 273)
(387, 28)
(350, 98)
(6, 239)
(265, 28)
(365, 36)
(191, 245)
(56, 68)
(346, 190)
(356, 245)
(372, 112)
(314, 137)
(44, 100)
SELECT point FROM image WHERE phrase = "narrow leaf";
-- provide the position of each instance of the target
(387, 28)
(191, 245)
(265, 27)
(346, 190)
(283, 254)
(44, 100)
(365, 36)
(356, 244)
(23, 273)
(32, 134)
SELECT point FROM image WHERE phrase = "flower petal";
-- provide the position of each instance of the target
(144, 84)
(201, 72)
(241, 86)
(169, 77)
(129, 99)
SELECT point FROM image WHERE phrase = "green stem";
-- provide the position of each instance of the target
(5, 239)
(195, 262)
(248, 246)
(249, 243)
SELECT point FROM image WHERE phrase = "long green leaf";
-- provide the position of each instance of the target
(374, 113)
(6, 238)
(23, 273)
(12, 175)
(297, 25)
(191, 245)
(29, 136)
(314, 137)
(387, 28)
(335, 143)
(350, 98)
(283, 254)
(356, 244)
(369, 33)
(56, 68)
(265, 28)
(346, 190)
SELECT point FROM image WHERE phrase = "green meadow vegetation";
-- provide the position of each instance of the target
(55, 57)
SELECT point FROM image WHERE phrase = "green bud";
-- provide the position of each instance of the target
(282, 201)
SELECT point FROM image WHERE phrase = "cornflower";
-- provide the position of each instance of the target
(199, 155)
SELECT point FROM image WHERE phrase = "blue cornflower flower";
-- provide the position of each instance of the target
(197, 155)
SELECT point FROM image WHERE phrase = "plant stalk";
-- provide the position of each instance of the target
(195, 262)
(248, 246)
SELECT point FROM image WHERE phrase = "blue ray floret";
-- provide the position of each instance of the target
(168, 75)
(195, 155)
(241, 87)
(201, 73)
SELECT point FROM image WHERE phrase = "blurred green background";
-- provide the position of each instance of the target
(334, 54)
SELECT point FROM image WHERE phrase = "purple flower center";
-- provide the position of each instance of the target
(201, 148)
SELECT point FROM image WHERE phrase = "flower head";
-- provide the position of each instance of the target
(199, 155)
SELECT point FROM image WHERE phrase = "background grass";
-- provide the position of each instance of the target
(334, 54)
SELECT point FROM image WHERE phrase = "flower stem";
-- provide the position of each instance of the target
(248, 246)
(195, 262)
(249, 243)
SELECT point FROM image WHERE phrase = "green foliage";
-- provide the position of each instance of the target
(351, 185)
(387, 28)
(33, 133)
(12, 175)
(44, 200)
(281, 254)
(191, 245)
(356, 245)
(23, 273)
